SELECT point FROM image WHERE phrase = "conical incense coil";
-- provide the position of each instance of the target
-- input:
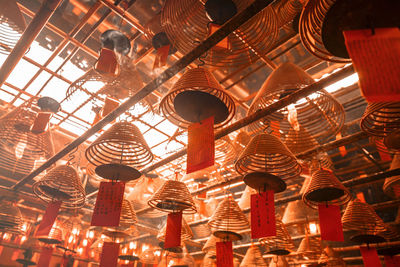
(391, 186)
(122, 144)
(210, 245)
(54, 237)
(128, 214)
(320, 114)
(186, 232)
(287, 11)
(279, 261)
(281, 244)
(324, 187)
(186, 24)
(331, 258)
(61, 183)
(266, 153)
(173, 196)
(12, 25)
(253, 258)
(310, 248)
(10, 218)
(228, 217)
(201, 82)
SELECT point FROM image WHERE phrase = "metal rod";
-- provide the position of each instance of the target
(211, 41)
(32, 31)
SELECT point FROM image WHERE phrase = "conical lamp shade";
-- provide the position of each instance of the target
(128, 214)
(12, 25)
(10, 218)
(391, 186)
(61, 183)
(228, 217)
(284, 80)
(186, 232)
(197, 95)
(173, 196)
(253, 258)
(324, 187)
(281, 244)
(310, 248)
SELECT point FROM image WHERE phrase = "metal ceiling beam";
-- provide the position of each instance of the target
(250, 11)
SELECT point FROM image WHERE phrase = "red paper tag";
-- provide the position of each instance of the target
(45, 257)
(204, 194)
(330, 222)
(360, 196)
(384, 156)
(224, 254)
(370, 257)
(107, 62)
(392, 261)
(109, 254)
(376, 58)
(263, 222)
(48, 219)
(107, 210)
(173, 232)
(161, 57)
(41, 121)
(201, 146)
(224, 43)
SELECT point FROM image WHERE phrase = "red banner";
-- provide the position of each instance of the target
(45, 257)
(370, 257)
(109, 254)
(201, 146)
(173, 231)
(330, 222)
(161, 57)
(48, 219)
(376, 58)
(263, 222)
(107, 210)
(224, 254)
(392, 261)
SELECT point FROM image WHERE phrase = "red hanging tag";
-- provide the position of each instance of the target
(342, 149)
(45, 257)
(201, 146)
(41, 122)
(203, 195)
(384, 156)
(107, 62)
(275, 125)
(173, 232)
(370, 257)
(48, 219)
(107, 210)
(224, 254)
(392, 261)
(161, 57)
(263, 222)
(376, 58)
(109, 105)
(224, 43)
(330, 222)
(109, 254)
(360, 196)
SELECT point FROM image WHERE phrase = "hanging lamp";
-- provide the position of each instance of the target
(253, 258)
(12, 25)
(197, 95)
(281, 244)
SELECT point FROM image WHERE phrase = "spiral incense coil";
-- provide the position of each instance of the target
(266, 153)
(201, 231)
(61, 183)
(197, 80)
(123, 144)
(128, 215)
(310, 29)
(224, 150)
(281, 244)
(253, 258)
(210, 245)
(54, 237)
(148, 257)
(325, 187)
(391, 186)
(331, 258)
(12, 25)
(10, 218)
(173, 196)
(310, 248)
(228, 217)
(279, 261)
(286, 11)
(319, 114)
(186, 24)
(186, 232)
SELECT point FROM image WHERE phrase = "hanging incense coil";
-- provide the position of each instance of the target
(279, 261)
(186, 24)
(391, 186)
(319, 114)
(244, 202)
(224, 151)
(128, 215)
(361, 217)
(148, 256)
(228, 219)
(186, 232)
(331, 258)
(266, 153)
(281, 244)
(382, 120)
(10, 218)
(253, 258)
(119, 232)
(98, 244)
(61, 183)
(286, 11)
(118, 151)
(210, 245)
(325, 187)
(54, 237)
(12, 25)
(197, 95)
(310, 248)
(173, 196)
